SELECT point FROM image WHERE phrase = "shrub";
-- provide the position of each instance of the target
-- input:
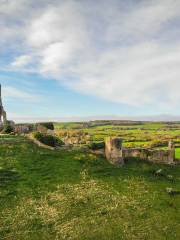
(159, 143)
(48, 139)
(97, 145)
(48, 125)
(7, 128)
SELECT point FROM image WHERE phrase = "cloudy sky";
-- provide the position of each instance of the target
(64, 58)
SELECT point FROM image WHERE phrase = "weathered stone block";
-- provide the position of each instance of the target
(113, 150)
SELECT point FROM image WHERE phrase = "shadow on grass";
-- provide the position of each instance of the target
(134, 167)
(8, 177)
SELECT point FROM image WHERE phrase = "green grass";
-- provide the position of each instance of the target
(177, 153)
(73, 194)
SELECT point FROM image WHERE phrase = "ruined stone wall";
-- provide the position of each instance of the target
(20, 129)
(152, 155)
(40, 128)
(28, 128)
(81, 139)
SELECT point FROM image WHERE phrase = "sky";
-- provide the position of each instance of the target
(74, 59)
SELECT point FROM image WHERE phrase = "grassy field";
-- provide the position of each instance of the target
(143, 134)
(73, 194)
(178, 153)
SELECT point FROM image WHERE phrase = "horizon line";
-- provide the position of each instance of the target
(141, 118)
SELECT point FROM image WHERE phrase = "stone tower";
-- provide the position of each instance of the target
(3, 118)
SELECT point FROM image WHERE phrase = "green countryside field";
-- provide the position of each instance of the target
(89, 120)
(72, 193)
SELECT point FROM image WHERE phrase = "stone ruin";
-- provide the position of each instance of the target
(29, 128)
(74, 137)
(116, 154)
(3, 118)
(113, 151)
(22, 128)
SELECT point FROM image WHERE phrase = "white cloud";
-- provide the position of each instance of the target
(21, 61)
(143, 20)
(122, 52)
(14, 93)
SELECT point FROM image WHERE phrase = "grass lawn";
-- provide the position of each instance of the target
(62, 194)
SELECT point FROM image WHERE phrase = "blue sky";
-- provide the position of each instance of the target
(74, 58)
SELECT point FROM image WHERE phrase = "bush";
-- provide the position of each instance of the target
(48, 139)
(97, 145)
(159, 143)
(7, 128)
(48, 125)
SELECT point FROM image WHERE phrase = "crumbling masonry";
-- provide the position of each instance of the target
(113, 151)
(116, 154)
(3, 118)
